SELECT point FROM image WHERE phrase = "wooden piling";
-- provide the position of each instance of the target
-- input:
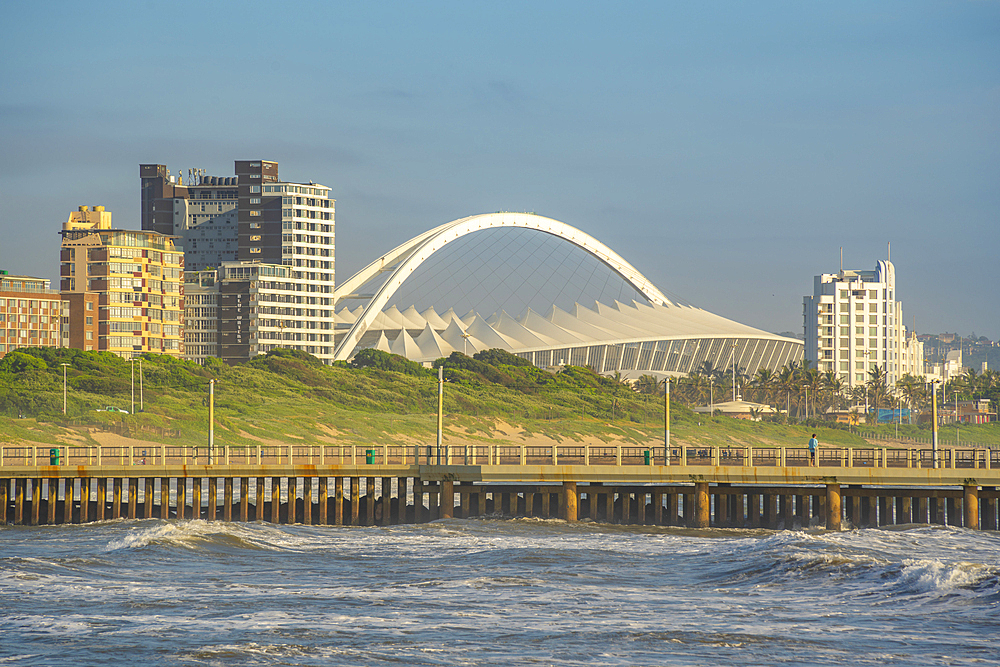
(569, 501)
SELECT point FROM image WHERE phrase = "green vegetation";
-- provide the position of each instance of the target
(291, 397)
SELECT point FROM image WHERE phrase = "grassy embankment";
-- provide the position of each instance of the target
(291, 398)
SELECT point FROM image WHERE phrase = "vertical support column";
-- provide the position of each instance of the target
(701, 505)
(227, 499)
(626, 497)
(953, 513)
(771, 510)
(570, 500)
(196, 498)
(259, 497)
(464, 500)
(36, 500)
(148, 484)
(19, 485)
(102, 497)
(721, 508)
(386, 490)
(401, 500)
(53, 484)
(275, 500)
(640, 499)
(116, 498)
(164, 498)
(307, 501)
(609, 505)
(902, 509)
(213, 498)
(883, 511)
(67, 500)
(355, 499)
(434, 501)
(754, 500)
(833, 510)
(546, 498)
(669, 509)
(481, 506)
(447, 499)
(323, 500)
(293, 500)
(4, 500)
(84, 500)
(244, 499)
(132, 497)
(338, 501)
(182, 497)
(971, 507)
(370, 501)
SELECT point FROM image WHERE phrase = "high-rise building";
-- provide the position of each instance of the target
(253, 216)
(251, 242)
(31, 314)
(201, 315)
(853, 322)
(134, 277)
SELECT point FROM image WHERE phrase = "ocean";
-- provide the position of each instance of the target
(495, 592)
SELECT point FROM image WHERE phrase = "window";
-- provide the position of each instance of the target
(254, 225)
(845, 319)
(255, 200)
(254, 251)
(255, 189)
(255, 237)
(254, 214)
(90, 319)
(90, 335)
(873, 319)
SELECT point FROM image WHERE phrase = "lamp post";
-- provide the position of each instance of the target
(64, 365)
(142, 404)
(211, 422)
(133, 386)
(934, 421)
(666, 421)
(440, 424)
(465, 343)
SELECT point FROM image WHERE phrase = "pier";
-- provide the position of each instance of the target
(738, 487)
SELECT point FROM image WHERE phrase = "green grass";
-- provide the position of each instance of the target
(291, 397)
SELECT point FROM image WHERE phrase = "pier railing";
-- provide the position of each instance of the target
(490, 455)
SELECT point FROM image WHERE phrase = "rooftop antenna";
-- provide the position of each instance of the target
(890, 251)
(841, 261)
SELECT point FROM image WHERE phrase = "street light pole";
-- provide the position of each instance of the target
(934, 421)
(666, 421)
(142, 404)
(133, 386)
(440, 411)
(211, 422)
(64, 365)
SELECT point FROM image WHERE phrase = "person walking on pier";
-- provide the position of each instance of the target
(813, 445)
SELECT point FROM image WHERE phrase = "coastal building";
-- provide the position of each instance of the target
(853, 321)
(134, 279)
(201, 315)
(252, 216)
(31, 314)
(266, 306)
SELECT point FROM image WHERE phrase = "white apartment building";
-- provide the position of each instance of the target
(853, 322)
(201, 315)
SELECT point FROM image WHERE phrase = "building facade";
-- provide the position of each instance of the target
(853, 321)
(31, 314)
(134, 277)
(201, 315)
(266, 306)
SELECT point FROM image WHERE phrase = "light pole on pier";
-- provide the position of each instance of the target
(934, 421)
(666, 421)
(64, 365)
(440, 424)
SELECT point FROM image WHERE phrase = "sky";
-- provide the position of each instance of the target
(727, 150)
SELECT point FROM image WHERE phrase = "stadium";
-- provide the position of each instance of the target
(545, 291)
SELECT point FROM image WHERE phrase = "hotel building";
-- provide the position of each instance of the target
(853, 322)
(134, 277)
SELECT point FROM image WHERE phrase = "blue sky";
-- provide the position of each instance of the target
(727, 150)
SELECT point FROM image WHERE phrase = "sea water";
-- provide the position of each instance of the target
(495, 592)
